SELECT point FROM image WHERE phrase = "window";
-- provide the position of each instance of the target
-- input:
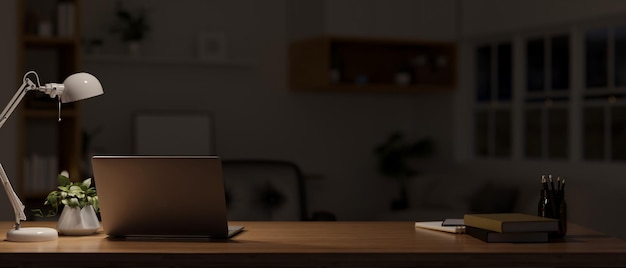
(604, 111)
(526, 106)
(546, 126)
(596, 58)
(494, 84)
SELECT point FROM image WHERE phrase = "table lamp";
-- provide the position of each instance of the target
(75, 87)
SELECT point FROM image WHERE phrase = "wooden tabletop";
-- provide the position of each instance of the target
(383, 244)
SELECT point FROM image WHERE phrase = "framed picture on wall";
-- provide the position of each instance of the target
(212, 46)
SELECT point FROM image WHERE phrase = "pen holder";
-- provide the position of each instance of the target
(552, 205)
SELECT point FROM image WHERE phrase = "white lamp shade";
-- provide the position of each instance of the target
(80, 86)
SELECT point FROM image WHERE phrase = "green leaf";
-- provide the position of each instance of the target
(86, 184)
(51, 213)
(73, 202)
(37, 212)
(96, 204)
(51, 199)
(63, 181)
(73, 190)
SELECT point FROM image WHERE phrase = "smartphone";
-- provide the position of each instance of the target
(452, 222)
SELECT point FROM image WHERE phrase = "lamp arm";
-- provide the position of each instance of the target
(21, 91)
(18, 207)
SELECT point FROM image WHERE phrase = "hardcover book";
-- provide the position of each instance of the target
(515, 237)
(511, 222)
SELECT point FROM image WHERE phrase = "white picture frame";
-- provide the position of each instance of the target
(211, 46)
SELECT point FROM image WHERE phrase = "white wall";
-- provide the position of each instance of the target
(413, 19)
(330, 135)
(422, 19)
(482, 17)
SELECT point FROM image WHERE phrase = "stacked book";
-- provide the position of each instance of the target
(509, 227)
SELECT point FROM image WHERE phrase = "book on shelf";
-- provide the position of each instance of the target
(512, 237)
(437, 226)
(511, 222)
(65, 19)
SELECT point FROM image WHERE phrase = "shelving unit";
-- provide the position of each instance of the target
(126, 59)
(48, 43)
(339, 63)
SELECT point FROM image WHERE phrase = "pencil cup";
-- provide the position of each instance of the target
(561, 215)
(552, 205)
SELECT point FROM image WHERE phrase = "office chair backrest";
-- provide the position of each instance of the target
(264, 190)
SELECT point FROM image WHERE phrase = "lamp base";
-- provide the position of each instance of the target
(32, 234)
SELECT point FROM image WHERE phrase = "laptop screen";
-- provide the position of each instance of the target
(161, 195)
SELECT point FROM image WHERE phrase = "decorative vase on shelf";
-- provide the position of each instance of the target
(403, 78)
(78, 221)
(131, 26)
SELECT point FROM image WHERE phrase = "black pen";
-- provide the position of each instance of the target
(551, 183)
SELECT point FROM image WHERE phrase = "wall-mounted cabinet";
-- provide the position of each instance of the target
(48, 36)
(335, 63)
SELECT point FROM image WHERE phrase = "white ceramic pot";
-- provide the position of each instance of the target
(77, 221)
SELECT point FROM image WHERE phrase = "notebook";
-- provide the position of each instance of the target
(162, 196)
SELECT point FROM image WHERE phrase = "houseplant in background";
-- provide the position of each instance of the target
(80, 199)
(132, 27)
(393, 162)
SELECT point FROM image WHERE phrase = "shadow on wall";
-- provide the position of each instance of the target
(393, 162)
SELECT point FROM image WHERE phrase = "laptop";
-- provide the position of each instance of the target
(162, 196)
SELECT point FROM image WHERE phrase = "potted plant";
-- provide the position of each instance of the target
(80, 201)
(131, 27)
(393, 156)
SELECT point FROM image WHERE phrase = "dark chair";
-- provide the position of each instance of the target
(265, 190)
